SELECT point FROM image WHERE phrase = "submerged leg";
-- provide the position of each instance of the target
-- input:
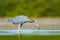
(19, 32)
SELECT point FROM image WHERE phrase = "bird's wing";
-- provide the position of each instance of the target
(22, 18)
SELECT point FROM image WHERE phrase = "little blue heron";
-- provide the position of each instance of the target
(20, 20)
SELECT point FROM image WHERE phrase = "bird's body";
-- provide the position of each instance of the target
(20, 20)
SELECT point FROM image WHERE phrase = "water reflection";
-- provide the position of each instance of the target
(10, 32)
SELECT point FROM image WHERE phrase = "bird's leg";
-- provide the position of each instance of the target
(21, 25)
(18, 31)
(18, 28)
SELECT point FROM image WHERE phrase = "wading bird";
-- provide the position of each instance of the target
(22, 19)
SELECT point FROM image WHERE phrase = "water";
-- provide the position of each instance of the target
(40, 32)
(30, 35)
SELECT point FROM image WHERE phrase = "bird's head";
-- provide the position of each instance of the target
(36, 22)
(32, 20)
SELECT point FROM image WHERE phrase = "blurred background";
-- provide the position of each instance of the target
(46, 11)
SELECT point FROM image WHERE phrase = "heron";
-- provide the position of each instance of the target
(22, 19)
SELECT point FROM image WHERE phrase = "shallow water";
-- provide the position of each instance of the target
(30, 35)
(37, 32)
